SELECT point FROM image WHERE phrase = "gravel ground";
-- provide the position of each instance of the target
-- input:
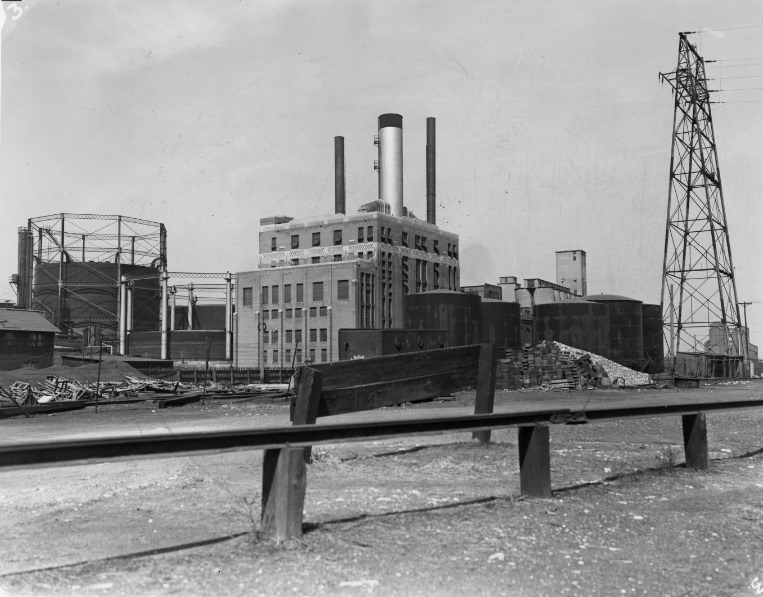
(438, 516)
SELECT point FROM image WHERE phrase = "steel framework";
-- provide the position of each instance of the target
(699, 297)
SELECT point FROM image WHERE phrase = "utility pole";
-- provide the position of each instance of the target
(697, 258)
(746, 338)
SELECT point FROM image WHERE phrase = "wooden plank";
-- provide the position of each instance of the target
(695, 440)
(534, 461)
(284, 482)
(483, 402)
(413, 364)
(389, 393)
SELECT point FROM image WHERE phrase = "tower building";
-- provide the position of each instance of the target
(571, 271)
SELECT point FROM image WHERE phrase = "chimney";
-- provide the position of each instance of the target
(391, 162)
(339, 181)
(431, 172)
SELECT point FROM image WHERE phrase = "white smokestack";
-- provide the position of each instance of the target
(391, 162)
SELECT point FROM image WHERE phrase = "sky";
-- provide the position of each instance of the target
(553, 130)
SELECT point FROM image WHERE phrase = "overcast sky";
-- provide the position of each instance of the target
(553, 131)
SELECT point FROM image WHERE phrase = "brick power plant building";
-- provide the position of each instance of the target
(321, 274)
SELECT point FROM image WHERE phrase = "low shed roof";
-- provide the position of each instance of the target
(19, 320)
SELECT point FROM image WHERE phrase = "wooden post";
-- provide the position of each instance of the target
(534, 461)
(483, 402)
(309, 382)
(695, 440)
(284, 481)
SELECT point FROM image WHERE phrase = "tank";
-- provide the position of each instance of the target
(626, 334)
(354, 343)
(91, 294)
(524, 298)
(544, 295)
(654, 347)
(457, 312)
(500, 323)
(578, 323)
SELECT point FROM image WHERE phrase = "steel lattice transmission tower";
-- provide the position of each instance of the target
(699, 297)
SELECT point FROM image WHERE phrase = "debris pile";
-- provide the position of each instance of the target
(555, 366)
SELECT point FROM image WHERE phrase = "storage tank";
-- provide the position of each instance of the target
(457, 312)
(524, 297)
(91, 294)
(544, 295)
(500, 323)
(654, 345)
(578, 323)
(626, 334)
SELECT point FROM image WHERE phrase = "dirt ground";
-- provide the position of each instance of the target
(439, 515)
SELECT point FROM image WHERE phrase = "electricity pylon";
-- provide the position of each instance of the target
(699, 297)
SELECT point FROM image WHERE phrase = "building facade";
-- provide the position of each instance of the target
(26, 339)
(571, 271)
(319, 275)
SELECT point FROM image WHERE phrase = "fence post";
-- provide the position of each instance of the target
(284, 482)
(534, 461)
(695, 440)
(308, 395)
(483, 401)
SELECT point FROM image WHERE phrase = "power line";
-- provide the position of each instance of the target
(731, 29)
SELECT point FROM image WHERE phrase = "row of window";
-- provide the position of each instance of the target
(295, 313)
(271, 295)
(295, 336)
(274, 356)
(366, 234)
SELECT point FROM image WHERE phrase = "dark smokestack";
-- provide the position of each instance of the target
(24, 286)
(431, 172)
(339, 186)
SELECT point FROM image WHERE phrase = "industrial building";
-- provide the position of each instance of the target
(321, 274)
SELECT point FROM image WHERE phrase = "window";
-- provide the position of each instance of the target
(404, 239)
(337, 237)
(424, 243)
(298, 313)
(295, 241)
(369, 255)
(574, 257)
(324, 335)
(338, 257)
(274, 295)
(265, 356)
(274, 337)
(315, 260)
(289, 336)
(436, 246)
(343, 290)
(288, 356)
(287, 293)
(298, 355)
(370, 233)
(324, 355)
(313, 311)
(313, 335)
(300, 293)
(265, 337)
(360, 234)
(274, 314)
(323, 311)
(312, 355)
(298, 336)
(248, 296)
(289, 313)
(294, 262)
(273, 244)
(316, 239)
(264, 295)
(275, 356)
(317, 291)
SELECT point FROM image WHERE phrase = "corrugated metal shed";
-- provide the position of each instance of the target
(25, 321)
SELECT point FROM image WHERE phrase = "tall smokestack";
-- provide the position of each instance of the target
(391, 162)
(24, 287)
(339, 184)
(431, 172)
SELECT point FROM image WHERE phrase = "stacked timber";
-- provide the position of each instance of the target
(555, 366)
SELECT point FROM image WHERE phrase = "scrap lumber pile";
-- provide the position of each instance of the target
(555, 366)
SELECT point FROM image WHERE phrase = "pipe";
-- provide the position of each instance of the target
(228, 311)
(165, 323)
(431, 172)
(173, 304)
(190, 305)
(339, 177)
(122, 315)
(391, 162)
